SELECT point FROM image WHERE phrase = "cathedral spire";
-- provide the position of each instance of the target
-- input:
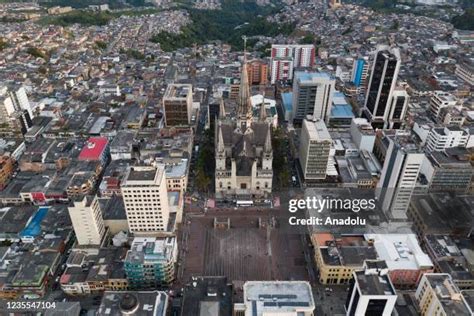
(220, 142)
(244, 103)
(268, 141)
(221, 109)
(263, 110)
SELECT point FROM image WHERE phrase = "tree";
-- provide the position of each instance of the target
(202, 181)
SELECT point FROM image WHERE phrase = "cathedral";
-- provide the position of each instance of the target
(243, 147)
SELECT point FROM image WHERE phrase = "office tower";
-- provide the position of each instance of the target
(440, 138)
(177, 104)
(257, 72)
(286, 58)
(371, 292)
(145, 196)
(448, 170)
(399, 176)
(465, 71)
(314, 151)
(383, 79)
(398, 108)
(438, 295)
(439, 101)
(150, 262)
(276, 298)
(360, 71)
(312, 95)
(87, 221)
(15, 110)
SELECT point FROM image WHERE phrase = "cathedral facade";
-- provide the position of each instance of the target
(244, 153)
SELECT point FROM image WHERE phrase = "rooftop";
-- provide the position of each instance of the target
(138, 303)
(265, 297)
(374, 284)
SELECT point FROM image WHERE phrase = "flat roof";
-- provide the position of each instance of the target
(400, 251)
(264, 297)
(94, 148)
(147, 303)
(374, 284)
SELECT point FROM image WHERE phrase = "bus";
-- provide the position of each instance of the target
(244, 203)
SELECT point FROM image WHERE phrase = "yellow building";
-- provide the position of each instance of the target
(438, 295)
(338, 258)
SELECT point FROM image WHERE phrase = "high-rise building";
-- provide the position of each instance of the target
(177, 104)
(399, 176)
(465, 71)
(87, 221)
(312, 95)
(440, 138)
(441, 100)
(398, 108)
(257, 72)
(150, 262)
(145, 195)
(438, 295)
(276, 298)
(360, 71)
(383, 80)
(371, 292)
(16, 113)
(448, 170)
(314, 151)
(285, 58)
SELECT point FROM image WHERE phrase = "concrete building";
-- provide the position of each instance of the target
(150, 262)
(448, 170)
(465, 71)
(383, 80)
(312, 95)
(177, 104)
(399, 176)
(208, 295)
(87, 221)
(360, 72)
(16, 113)
(371, 292)
(398, 108)
(144, 191)
(438, 295)
(337, 258)
(133, 303)
(257, 72)
(263, 298)
(440, 100)
(441, 138)
(314, 151)
(362, 134)
(406, 262)
(285, 58)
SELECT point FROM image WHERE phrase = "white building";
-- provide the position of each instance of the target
(87, 221)
(315, 149)
(440, 100)
(362, 134)
(465, 71)
(15, 109)
(285, 58)
(440, 138)
(272, 298)
(312, 95)
(372, 293)
(399, 176)
(438, 295)
(145, 195)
